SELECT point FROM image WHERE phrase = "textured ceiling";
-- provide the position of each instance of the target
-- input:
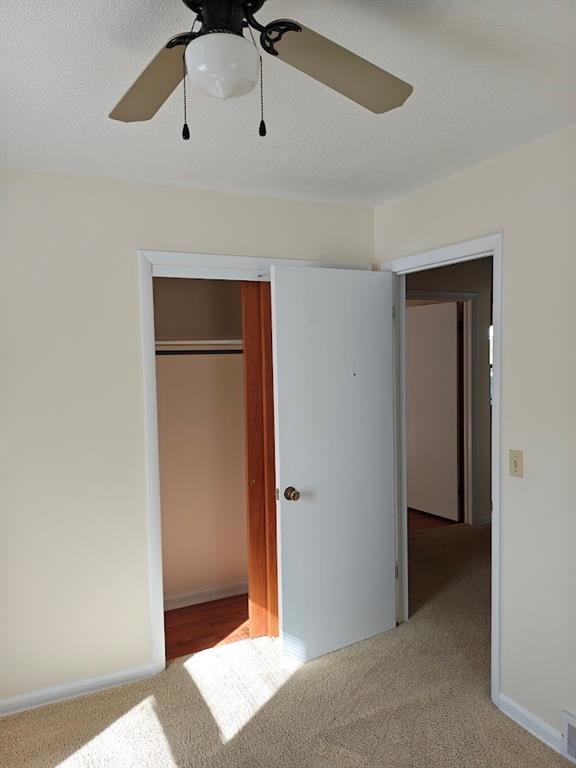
(488, 75)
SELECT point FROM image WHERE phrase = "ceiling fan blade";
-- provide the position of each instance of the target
(342, 70)
(152, 88)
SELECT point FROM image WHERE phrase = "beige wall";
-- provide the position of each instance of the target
(73, 580)
(472, 277)
(530, 195)
(197, 309)
(202, 474)
(432, 408)
(201, 442)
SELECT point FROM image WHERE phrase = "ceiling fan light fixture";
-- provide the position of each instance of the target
(222, 64)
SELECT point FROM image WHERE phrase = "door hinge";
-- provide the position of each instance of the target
(277, 494)
(394, 312)
(396, 571)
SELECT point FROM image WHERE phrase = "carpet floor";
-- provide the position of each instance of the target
(416, 697)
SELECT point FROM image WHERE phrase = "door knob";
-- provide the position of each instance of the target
(291, 494)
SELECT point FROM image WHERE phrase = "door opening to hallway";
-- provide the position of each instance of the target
(448, 439)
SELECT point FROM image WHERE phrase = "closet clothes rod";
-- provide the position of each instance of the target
(164, 352)
(199, 347)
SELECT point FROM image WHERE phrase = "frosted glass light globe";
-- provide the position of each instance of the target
(222, 64)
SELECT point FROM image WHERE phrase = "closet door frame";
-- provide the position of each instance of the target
(211, 267)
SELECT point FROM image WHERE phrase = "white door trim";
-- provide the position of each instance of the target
(214, 266)
(491, 245)
(192, 266)
(449, 254)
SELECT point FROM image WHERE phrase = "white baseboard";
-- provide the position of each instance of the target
(204, 596)
(72, 690)
(531, 722)
(56, 693)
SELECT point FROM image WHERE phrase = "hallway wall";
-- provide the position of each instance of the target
(432, 409)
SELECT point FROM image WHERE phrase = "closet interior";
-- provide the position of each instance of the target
(202, 449)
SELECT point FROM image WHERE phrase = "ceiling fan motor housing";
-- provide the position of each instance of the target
(223, 15)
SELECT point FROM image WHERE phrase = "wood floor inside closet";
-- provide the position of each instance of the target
(205, 625)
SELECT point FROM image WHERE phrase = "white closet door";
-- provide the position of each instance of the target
(333, 368)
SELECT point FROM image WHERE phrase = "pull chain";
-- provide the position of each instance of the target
(185, 129)
(262, 127)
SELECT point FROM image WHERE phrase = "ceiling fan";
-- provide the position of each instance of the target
(220, 61)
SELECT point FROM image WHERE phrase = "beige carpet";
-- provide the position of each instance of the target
(414, 697)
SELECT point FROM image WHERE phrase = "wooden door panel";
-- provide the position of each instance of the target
(261, 500)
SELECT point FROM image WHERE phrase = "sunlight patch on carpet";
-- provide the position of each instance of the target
(121, 744)
(237, 680)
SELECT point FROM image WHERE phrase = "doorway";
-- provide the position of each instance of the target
(448, 550)
(422, 273)
(216, 461)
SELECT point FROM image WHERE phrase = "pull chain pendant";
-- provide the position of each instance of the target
(185, 129)
(262, 127)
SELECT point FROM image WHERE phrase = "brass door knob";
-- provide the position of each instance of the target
(291, 494)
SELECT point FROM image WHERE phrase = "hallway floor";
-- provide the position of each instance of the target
(415, 696)
(421, 521)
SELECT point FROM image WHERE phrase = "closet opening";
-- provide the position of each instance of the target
(216, 459)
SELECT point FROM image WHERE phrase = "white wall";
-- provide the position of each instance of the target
(530, 195)
(432, 408)
(73, 579)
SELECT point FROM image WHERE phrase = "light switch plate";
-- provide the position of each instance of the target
(516, 463)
